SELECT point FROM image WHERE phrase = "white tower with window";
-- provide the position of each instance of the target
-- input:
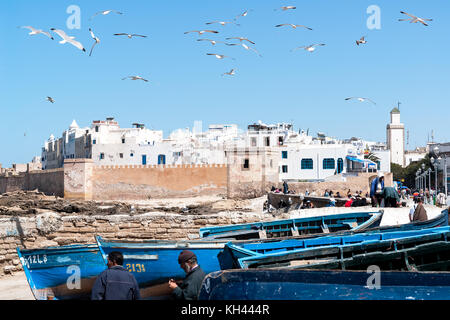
(396, 138)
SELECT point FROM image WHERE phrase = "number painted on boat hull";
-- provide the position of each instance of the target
(135, 267)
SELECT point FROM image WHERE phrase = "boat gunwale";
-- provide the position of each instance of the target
(292, 221)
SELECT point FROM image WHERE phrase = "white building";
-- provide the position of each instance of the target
(303, 157)
(108, 144)
(396, 138)
(415, 155)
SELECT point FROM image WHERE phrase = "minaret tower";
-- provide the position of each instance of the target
(396, 138)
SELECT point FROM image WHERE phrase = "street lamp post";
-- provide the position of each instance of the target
(424, 177)
(445, 175)
(429, 179)
(419, 180)
(435, 166)
(444, 170)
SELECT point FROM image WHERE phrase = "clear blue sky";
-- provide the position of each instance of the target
(401, 62)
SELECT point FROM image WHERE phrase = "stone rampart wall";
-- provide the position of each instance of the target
(52, 229)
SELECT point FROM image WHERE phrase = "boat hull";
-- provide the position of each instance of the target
(312, 226)
(62, 273)
(153, 263)
(274, 284)
(335, 251)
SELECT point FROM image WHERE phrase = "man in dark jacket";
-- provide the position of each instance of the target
(391, 197)
(190, 287)
(115, 283)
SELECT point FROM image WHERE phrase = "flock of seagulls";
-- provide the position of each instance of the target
(65, 38)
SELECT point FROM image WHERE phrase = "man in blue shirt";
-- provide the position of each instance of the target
(376, 190)
(115, 283)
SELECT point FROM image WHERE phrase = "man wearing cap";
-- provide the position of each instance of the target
(190, 287)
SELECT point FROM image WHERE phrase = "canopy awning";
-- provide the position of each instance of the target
(365, 162)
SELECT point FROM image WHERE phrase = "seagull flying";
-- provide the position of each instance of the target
(213, 42)
(97, 40)
(246, 47)
(310, 48)
(219, 56)
(135, 78)
(66, 38)
(284, 8)
(293, 25)
(360, 99)
(222, 22)
(130, 35)
(105, 12)
(240, 39)
(37, 31)
(50, 99)
(244, 14)
(414, 19)
(361, 41)
(232, 72)
(202, 31)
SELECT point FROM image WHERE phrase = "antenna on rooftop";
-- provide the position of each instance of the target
(398, 105)
(407, 139)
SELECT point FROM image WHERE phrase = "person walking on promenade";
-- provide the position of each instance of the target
(190, 287)
(376, 190)
(115, 283)
(285, 187)
(420, 214)
(427, 196)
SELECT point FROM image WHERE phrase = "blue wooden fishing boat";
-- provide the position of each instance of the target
(354, 221)
(277, 284)
(154, 262)
(439, 221)
(334, 251)
(65, 272)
